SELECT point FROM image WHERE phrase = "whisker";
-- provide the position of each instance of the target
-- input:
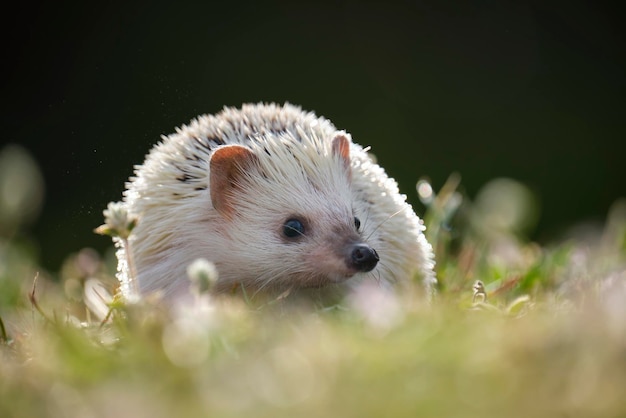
(385, 266)
(375, 274)
(295, 230)
(265, 281)
(257, 291)
(383, 222)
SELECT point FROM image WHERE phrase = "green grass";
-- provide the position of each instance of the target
(548, 341)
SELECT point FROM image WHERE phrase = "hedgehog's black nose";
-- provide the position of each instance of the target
(363, 258)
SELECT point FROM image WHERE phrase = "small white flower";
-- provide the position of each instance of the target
(203, 275)
(117, 223)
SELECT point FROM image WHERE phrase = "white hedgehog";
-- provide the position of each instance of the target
(276, 198)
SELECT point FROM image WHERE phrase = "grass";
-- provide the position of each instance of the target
(544, 336)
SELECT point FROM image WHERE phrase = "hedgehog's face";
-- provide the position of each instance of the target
(301, 237)
(325, 248)
(290, 227)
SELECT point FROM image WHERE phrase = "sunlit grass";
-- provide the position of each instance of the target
(515, 330)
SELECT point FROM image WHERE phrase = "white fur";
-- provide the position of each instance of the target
(177, 223)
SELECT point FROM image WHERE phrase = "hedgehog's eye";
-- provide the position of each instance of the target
(357, 223)
(293, 228)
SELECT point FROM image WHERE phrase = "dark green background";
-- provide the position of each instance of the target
(530, 90)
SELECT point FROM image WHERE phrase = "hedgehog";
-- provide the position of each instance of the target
(277, 199)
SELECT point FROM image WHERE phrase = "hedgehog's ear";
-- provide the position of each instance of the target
(341, 149)
(227, 165)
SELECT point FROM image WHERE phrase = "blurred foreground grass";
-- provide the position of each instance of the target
(544, 337)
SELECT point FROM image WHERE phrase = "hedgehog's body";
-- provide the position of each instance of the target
(276, 198)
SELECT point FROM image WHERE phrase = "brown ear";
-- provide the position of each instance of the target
(227, 165)
(341, 148)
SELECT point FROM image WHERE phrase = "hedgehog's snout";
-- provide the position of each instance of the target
(363, 257)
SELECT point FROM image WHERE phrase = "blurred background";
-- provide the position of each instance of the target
(529, 90)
